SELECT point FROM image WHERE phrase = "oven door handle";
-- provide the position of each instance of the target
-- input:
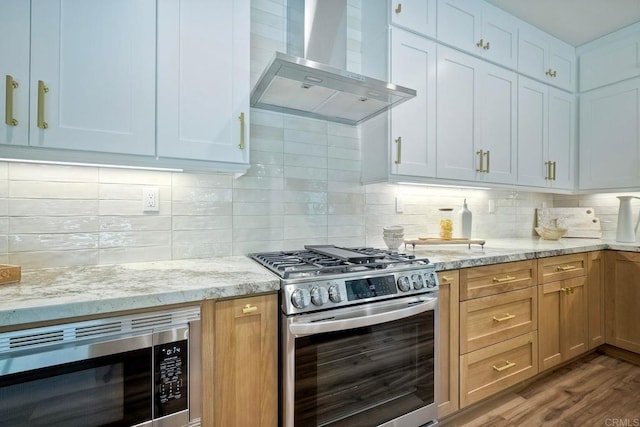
(333, 325)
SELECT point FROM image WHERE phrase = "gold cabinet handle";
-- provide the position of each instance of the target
(554, 171)
(506, 278)
(398, 150)
(554, 73)
(551, 73)
(399, 8)
(508, 365)
(241, 118)
(548, 175)
(565, 290)
(42, 89)
(249, 309)
(566, 268)
(481, 154)
(11, 85)
(480, 44)
(507, 316)
(488, 160)
(487, 46)
(447, 279)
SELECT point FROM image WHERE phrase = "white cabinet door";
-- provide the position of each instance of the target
(415, 15)
(497, 118)
(610, 62)
(609, 137)
(546, 59)
(413, 123)
(562, 138)
(533, 125)
(97, 59)
(476, 119)
(14, 66)
(203, 80)
(480, 29)
(546, 136)
(457, 135)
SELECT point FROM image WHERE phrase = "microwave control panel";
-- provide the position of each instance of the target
(170, 371)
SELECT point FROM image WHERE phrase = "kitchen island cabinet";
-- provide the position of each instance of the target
(447, 381)
(240, 362)
(595, 296)
(203, 80)
(622, 294)
(563, 304)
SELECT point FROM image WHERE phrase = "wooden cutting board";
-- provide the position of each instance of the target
(579, 222)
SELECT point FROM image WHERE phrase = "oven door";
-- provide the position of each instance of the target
(369, 365)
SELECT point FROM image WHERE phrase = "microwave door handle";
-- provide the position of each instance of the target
(313, 328)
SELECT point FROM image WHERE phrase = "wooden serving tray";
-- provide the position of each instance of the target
(438, 241)
(9, 273)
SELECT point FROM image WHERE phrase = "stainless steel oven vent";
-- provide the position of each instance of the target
(98, 330)
(151, 321)
(35, 339)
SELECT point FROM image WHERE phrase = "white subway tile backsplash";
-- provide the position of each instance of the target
(52, 242)
(135, 223)
(305, 209)
(4, 188)
(32, 260)
(4, 170)
(132, 207)
(301, 172)
(133, 176)
(52, 173)
(305, 161)
(202, 222)
(52, 190)
(202, 194)
(212, 180)
(257, 209)
(112, 239)
(50, 207)
(258, 221)
(53, 224)
(202, 208)
(253, 195)
(301, 148)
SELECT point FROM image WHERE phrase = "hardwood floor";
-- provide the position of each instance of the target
(596, 390)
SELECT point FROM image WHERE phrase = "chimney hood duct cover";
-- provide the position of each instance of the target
(307, 88)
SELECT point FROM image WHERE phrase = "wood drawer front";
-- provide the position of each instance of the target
(492, 369)
(478, 282)
(562, 267)
(489, 320)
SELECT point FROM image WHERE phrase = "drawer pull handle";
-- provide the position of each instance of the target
(249, 309)
(241, 118)
(447, 279)
(507, 316)
(503, 279)
(398, 150)
(566, 268)
(42, 89)
(505, 367)
(10, 85)
(568, 290)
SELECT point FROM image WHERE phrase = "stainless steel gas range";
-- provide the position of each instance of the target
(357, 337)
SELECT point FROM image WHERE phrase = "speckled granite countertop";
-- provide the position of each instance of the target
(59, 293)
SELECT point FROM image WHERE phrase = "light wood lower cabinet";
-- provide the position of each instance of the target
(595, 295)
(240, 365)
(447, 336)
(493, 279)
(622, 298)
(491, 369)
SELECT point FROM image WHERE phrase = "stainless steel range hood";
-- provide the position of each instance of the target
(317, 84)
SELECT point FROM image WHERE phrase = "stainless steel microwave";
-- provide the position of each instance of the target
(136, 370)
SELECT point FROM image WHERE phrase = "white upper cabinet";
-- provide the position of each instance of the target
(413, 123)
(610, 59)
(609, 137)
(480, 29)
(476, 119)
(546, 136)
(92, 82)
(203, 80)
(415, 15)
(14, 71)
(546, 58)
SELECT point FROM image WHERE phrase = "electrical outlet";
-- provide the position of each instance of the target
(399, 205)
(150, 199)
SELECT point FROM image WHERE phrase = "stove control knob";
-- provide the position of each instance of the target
(431, 280)
(300, 298)
(319, 295)
(334, 293)
(418, 283)
(403, 283)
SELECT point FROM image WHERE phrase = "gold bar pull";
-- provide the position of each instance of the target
(487, 46)
(548, 72)
(8, 111)
(398, 150)
(505, 367)
(553, 73)
(507, 316)
(548, 175)
(447, 279)
(481, 154)
(241, 118)
(480, 43)
(506, 278)
(249, 309)
(566, 268)
(565, 290)
(399, 8)
(554, 171)
(488, 160)
(42, 89)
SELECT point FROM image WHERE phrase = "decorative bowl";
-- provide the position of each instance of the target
(393, 243)
(551, 233)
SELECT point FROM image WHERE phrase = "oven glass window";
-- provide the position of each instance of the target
(365, 376)
(107, 391)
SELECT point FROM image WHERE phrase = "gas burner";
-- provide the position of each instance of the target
(329, 260)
